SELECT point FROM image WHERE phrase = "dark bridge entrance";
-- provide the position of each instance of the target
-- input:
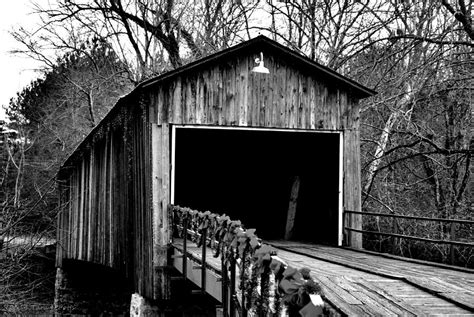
(250, 175)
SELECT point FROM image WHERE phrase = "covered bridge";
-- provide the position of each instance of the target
(277, 150)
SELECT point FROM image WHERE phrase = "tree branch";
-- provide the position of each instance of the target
(462, 16)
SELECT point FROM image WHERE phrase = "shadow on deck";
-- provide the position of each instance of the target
(357, 282)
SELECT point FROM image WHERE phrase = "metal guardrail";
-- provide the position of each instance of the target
(452, 222)
(471, 222)
(395, 235)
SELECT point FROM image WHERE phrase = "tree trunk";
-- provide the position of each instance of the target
(384, 138)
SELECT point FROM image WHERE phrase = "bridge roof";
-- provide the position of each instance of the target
(253, 46)
(268, 47)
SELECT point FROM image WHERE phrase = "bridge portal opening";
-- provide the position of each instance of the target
(259, 177)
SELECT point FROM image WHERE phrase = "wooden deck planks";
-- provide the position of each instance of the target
(454, 284)
(338, 281)
(362, 292)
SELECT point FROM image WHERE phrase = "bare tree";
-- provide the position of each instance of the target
(411, 52)
(147, 35)
(413, 155)
(23, 273)
(49, 117)
(328, 31)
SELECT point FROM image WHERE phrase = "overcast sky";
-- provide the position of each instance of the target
(16, 72)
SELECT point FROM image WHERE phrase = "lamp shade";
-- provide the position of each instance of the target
(260, 68)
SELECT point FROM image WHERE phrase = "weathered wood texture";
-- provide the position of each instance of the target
(417, 286)
(107, 217)
(352, 186)
(117, 183)
(229, 94)
(161, 199)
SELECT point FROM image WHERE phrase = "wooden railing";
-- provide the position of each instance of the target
(452, 228)
(253, 279)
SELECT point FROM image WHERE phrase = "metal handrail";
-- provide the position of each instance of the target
(452, 223)
(471, 222)
(464, 244)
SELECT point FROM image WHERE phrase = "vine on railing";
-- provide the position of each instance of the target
(268, 286)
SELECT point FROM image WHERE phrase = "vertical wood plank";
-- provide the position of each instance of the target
(80, 210)
(207, 104)
(282, 109)
(165, 165)
(243, 92)
(83, 254)
(177, 102)
(337, 108)
(75, 215)
(276, 95)
(290, 121)
(230, 96)
(156, 173)
(201, 91)
(90, 204)
(190, 91)
(222, 108)
(322, 107)
(159, 104)
(262, 99)
(237, 94)
(352, 190)
(301, 119)
(268, 98)
(252, 99)
(165, 229)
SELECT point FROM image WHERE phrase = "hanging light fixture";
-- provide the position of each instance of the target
(260, 68)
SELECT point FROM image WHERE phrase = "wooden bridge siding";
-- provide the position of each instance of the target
(161, 230)
(229, 94)
(109, 217)
(352, 187)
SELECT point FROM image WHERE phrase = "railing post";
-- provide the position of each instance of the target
(394, 239)
(233, 297)
(264, 289)
(452, 238)
(242, 282)
(185, 243)
(203, 259)
(345, 232)
(224, 285)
